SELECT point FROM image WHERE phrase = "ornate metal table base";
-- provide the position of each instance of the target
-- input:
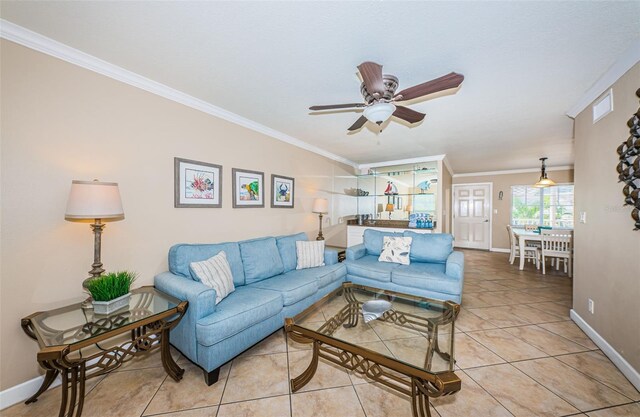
(75, 369)
(418, 384)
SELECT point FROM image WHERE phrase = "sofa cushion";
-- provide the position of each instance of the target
(240, 310)
(215, 272)
(324, 275)
(426, 276)
(260, 258)
(181, 255)
(373, 240)
(287, 248)
(369, 267)
(430, 247)
(293, 288)
(310, 254)
(396, 250)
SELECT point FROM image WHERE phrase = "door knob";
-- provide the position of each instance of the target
(486, 221)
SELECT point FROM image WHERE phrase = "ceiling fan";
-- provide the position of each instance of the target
(379, 93)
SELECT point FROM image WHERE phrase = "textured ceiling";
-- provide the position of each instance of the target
(525, 65)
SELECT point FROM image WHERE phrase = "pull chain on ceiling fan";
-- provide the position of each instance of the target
(380, 98)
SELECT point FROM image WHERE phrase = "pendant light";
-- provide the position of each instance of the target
(544, 181)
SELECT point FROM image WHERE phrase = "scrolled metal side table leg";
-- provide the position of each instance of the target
(65, 393)
(170, 366)
(302, 379)
(49, 377)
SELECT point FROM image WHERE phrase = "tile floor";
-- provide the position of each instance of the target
(517, 352)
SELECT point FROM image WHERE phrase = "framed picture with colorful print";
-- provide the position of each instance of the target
(282, 191)
(197, 184)
(248, 188)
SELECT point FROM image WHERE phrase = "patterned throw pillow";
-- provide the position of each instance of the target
(310, 254)
(215, 272)
(396, 250)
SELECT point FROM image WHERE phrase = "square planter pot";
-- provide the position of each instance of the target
(108, 307)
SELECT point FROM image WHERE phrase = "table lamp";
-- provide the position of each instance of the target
(390, 208)
(320, 207)
(97, 201)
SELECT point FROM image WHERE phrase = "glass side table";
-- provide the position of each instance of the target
(69, 340)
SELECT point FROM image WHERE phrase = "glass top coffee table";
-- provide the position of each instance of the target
(71, 341)
(402, 341)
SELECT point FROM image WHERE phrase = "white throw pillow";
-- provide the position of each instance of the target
(215, 272)
(310, 254)
(396, 250)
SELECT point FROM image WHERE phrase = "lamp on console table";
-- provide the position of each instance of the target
(320, 207)
(98, 202)
(389, 209)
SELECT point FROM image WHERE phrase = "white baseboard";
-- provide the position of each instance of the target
(501, 250)
(21, 392)
(625, 367)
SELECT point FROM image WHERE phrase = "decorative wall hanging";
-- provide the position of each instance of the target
(248, 188)
(197, 184)
(629, 166)
(282, 191)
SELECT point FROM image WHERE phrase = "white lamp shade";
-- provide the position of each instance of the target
(94, 200)
(379, 112)
(320, 205)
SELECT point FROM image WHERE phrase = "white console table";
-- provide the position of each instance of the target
(355, 234)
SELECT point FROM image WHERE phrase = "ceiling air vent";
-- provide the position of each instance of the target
(603, 106)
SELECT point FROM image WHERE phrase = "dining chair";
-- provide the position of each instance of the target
(557, 244)
(531, 253)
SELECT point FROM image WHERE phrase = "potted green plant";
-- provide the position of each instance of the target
(110, 292)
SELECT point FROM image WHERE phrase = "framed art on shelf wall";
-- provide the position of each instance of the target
(282, 191)
(248, 188)
(197, 184)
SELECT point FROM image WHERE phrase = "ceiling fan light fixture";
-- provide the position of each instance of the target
(544, 182)
(379, 112)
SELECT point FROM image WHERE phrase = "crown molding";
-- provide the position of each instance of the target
(511, 171)
(446, 163)
(25, 37)
(629, 58)
(417, 160)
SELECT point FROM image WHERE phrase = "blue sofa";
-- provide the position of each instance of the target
(435, 271)
(268, 288)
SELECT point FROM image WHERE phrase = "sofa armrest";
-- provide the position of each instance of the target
(200, 297)
(330, 256)
(201, 304)
(356, 252)
(455, 265)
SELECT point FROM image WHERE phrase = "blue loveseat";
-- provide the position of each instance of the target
(268, 288)
(435, 271)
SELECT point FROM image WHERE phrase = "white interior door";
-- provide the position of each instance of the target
(472, 215)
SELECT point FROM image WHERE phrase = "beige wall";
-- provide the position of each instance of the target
(61, 122)
(503, 183)
(607, 250)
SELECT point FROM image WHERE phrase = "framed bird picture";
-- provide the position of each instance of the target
(282, 189)
(248, 188)
(197, 184)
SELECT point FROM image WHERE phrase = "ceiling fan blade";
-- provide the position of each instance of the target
(336, 106)
(372, 77)
(407, 114)
(358, 124)
(445, 82)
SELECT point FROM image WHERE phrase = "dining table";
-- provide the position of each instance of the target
(525, 236)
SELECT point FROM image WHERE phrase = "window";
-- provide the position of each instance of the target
(552, 206)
